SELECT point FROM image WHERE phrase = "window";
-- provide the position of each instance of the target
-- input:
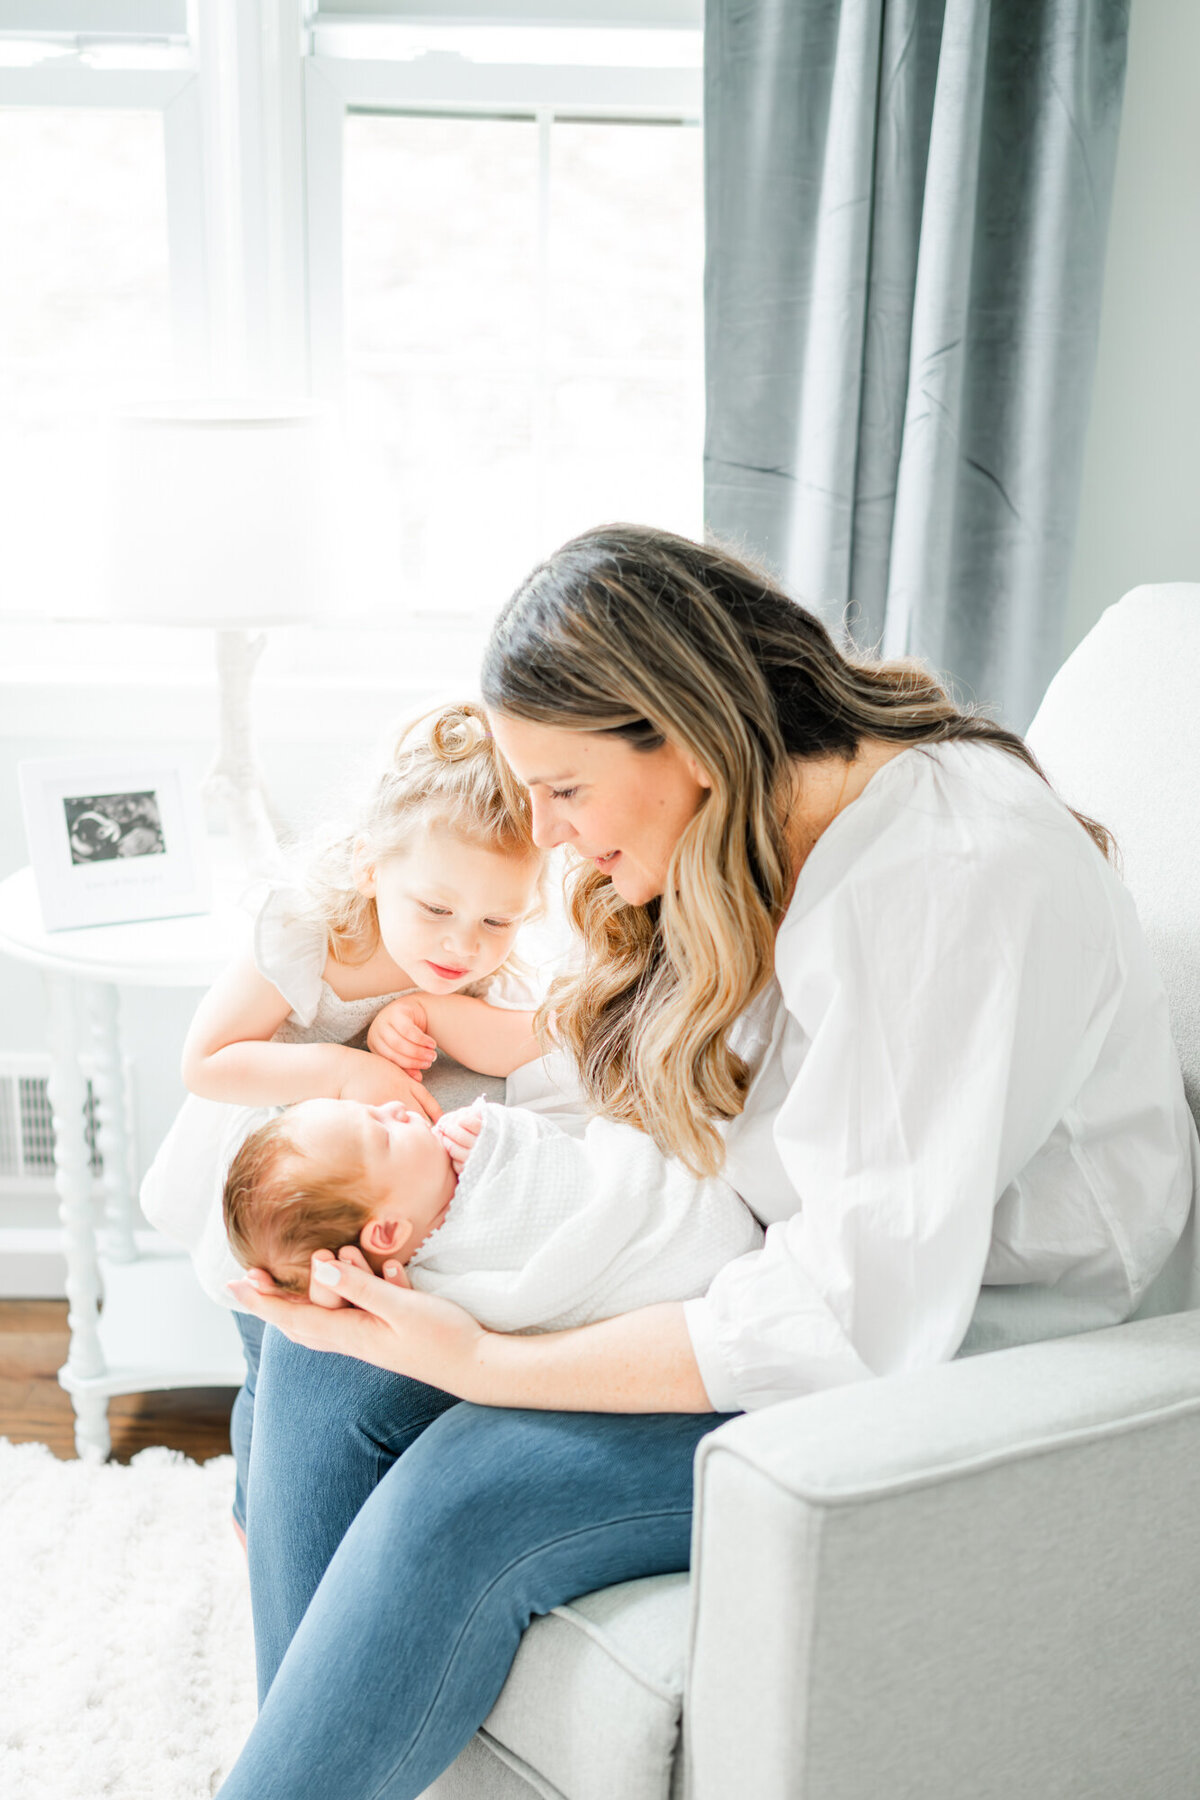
(498, 273)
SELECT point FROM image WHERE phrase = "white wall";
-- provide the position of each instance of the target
(1140, 512)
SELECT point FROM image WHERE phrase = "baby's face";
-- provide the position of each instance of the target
(407, 1174)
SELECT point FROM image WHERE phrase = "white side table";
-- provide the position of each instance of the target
(157, 1328)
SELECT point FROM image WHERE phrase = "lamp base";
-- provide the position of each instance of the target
(234, 788)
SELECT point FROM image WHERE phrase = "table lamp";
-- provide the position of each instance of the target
(218, 513)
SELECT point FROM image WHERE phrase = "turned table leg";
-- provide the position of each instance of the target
(112, 1136)
(73, 1180)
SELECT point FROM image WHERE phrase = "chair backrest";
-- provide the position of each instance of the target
(1118, 733)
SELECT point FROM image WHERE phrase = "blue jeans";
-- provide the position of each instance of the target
(400, 1542)
(241, 1419)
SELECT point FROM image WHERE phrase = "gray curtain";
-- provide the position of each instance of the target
(907, 204)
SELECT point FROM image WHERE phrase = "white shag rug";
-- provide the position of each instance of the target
(126, 1656)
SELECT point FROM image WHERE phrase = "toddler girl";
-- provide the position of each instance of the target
(426, 893)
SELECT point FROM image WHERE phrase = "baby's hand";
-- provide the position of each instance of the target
(458, 1131)
(398, 1031)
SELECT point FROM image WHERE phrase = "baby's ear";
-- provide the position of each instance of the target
(362, 866)
(385, 1237)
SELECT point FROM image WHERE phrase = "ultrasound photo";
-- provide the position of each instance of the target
(102, 827)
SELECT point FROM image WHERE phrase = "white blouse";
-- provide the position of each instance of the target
(963, 1078)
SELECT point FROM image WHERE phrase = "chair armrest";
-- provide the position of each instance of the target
(982, 1578)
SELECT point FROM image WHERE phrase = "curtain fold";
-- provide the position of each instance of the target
(907, 203)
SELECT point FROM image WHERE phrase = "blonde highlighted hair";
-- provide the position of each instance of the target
(445, 773)
(654, 638)
(280, 1206)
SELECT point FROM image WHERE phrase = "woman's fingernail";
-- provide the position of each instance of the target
(390, 1271)
(327, 1273)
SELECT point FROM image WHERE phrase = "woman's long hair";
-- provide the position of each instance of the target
(654, 638)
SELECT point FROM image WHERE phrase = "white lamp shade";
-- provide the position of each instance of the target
(218, 514)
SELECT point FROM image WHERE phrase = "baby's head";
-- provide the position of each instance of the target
(332, 1172)
(440, 866)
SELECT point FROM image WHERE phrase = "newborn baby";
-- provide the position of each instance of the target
(493, 1207)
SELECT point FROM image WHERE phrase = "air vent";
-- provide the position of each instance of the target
(27, 1124)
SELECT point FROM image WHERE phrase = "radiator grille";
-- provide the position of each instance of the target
(27, 1126)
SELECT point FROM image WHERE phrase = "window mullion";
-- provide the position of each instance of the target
(183, 149)
(249, 62)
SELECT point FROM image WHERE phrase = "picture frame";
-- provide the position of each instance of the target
(115, 839)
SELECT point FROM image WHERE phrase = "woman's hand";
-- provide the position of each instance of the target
(637, 1362)
(376, 1080)
(381, 1321)
(400, 1032)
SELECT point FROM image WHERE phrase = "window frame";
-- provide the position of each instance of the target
(93, 19)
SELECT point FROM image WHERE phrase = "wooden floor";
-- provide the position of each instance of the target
(33, 1347)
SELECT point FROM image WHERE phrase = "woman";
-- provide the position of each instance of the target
(838, 937)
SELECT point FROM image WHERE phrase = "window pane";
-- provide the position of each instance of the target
(441, 236)
(84, 297)
(524, 333)
(84, 319)
(628, 242)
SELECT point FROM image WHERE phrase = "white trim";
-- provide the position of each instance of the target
(453, 84)
(183, 147)
(248, 52)
(95, 18)
(680, 14)
(33, 1263)
(324, 116)
(284, 227)
(69, 82)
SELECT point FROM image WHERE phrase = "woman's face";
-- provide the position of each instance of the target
(623, 809)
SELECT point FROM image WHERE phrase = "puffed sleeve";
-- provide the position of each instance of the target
(290, 951)
(545, 948)
(947, 1023)
(514, 990)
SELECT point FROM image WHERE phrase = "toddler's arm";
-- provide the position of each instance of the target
(228, 1055)
(489, 1039)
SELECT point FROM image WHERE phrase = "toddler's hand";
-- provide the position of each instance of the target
(458, 1131)
(398, 1031)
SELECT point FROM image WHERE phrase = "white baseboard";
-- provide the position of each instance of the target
(32, 1264)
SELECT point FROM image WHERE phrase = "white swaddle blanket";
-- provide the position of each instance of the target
(548, 1231)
